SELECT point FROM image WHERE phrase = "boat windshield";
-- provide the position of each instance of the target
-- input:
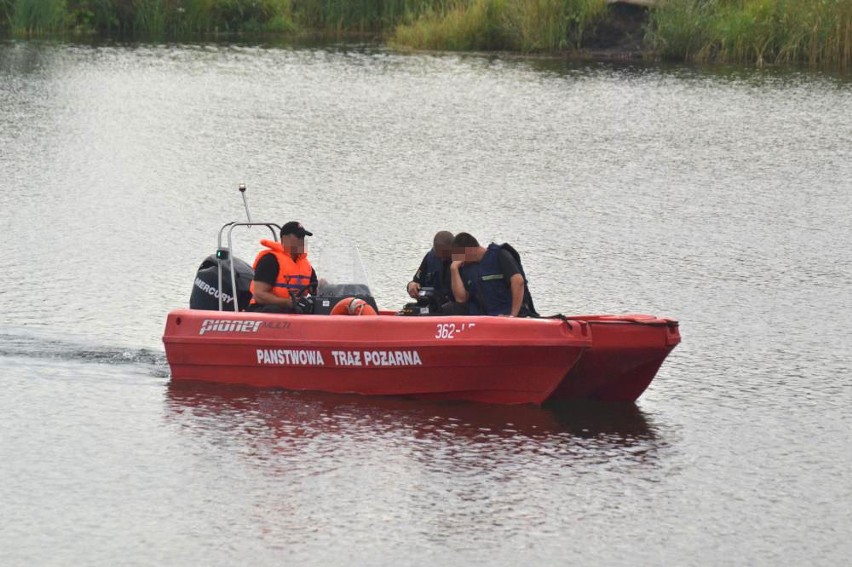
(339, 268)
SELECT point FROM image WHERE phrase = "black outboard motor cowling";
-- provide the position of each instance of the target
(205, 290)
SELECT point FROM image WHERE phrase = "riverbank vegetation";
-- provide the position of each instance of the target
(529, 26)
(817, 32)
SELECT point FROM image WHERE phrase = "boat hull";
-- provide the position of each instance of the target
(482, 359)
(627, 351)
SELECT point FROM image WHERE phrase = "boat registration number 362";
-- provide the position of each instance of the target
(451, 330)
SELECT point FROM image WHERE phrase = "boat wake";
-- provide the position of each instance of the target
(31, 344)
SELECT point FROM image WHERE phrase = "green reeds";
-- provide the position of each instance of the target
(532, 25)
(158, 17)
(7, 12)
(149, 17)
(345, 16)
(38, 16)
(553, 25)
(817, 32)
(754, 31)
(460, 26)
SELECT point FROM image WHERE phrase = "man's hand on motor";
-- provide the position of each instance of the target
(413, 289)
(304, 305)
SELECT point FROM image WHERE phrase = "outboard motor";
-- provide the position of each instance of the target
(427, 303)
(205, 290)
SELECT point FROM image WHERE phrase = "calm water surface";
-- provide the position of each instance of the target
(722, 198)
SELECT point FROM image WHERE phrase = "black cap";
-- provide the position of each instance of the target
(295, 228)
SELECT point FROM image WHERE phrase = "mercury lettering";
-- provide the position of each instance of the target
(210, 290)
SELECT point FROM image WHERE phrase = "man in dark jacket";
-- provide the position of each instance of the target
(434, 270)
(490, 280)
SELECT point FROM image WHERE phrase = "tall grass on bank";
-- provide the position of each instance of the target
(37, 15)
(554, 25)
(361, 15)
(158, 17)
(151, 17)
(817, 32)
(459, 26)
(531, 25)
(525, 25)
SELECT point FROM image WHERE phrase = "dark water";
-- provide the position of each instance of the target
(722, 198)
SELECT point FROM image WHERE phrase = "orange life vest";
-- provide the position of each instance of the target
(293, 275)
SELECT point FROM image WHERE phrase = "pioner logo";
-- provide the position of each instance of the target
(227, 326)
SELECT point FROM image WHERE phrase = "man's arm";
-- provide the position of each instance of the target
(413, 286)
(264, 296)
(512, 275)
(516, 283)
(314, 282)
(264, 279)
(459, 292)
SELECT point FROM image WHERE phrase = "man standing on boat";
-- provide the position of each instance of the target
(434, 270)
(283, 276)
(491, 280)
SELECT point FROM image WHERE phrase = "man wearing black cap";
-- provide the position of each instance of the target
(283, 276)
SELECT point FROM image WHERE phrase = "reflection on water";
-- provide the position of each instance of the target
(447, 479)
(281, 422)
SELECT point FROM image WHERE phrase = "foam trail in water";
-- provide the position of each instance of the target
(32, 344)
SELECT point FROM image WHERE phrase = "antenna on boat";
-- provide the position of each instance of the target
(245, 202)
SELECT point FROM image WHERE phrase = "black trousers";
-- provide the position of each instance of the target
(453, 308)
(258, 308)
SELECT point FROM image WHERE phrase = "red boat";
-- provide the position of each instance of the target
(627, 351)
(483, 359)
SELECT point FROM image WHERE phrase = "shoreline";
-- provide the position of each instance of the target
(677, 31)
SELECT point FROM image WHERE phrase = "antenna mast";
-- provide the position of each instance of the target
(245, 202)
